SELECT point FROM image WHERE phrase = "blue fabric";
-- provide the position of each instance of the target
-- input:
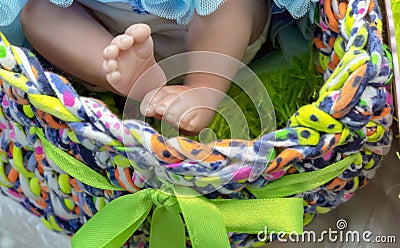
(14, 31)
(283, 12)
(9, 20)
(137, 6)
(179, 10)
(297, 8)
(9, 10)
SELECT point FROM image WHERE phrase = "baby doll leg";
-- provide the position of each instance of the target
(69, 38)
(228, 31)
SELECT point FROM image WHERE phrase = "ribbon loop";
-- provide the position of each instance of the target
(207, 221)
(116, 223)
(277, 214)
(167, 229)
(203, 220)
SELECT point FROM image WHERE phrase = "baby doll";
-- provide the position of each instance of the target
(84, 39)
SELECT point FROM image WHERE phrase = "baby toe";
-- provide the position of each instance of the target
(187, 123)
(113, 77)
(150, 100)
(123, 42)
(165, 106)
(111, 52)
(140, 32)
(110, 65)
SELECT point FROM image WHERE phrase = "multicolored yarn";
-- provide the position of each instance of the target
(352, 116)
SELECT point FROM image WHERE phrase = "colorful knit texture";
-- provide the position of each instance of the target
(351, 116)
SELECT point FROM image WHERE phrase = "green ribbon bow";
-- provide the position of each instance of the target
(207, 221)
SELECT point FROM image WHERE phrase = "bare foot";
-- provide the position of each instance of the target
(188, 108)
(128, 56)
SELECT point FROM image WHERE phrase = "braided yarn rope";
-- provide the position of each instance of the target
(352, 116)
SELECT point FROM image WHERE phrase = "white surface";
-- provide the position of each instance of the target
(19, 228)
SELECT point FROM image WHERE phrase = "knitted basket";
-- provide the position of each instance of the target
(65, 157)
